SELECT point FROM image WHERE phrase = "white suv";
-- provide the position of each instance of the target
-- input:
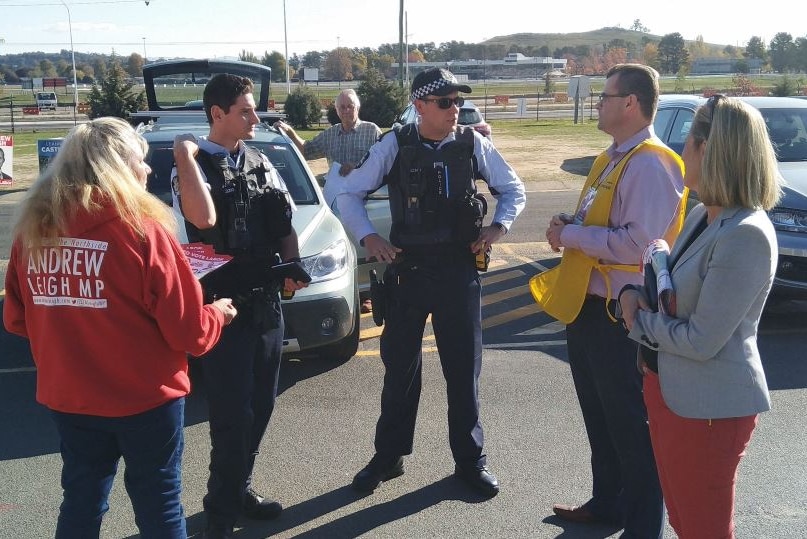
(323, 319)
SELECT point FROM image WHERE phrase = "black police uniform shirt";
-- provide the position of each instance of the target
(504, 183)
(273, 177)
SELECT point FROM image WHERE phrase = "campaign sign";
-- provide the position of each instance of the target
(47, 149)
(6, 159)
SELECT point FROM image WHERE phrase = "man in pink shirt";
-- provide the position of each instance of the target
(643, 188)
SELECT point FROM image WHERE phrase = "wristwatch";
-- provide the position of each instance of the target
(500, 227)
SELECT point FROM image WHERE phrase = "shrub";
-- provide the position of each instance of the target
(330, 112)
(381, 101)
(302, 108)
(114, 96)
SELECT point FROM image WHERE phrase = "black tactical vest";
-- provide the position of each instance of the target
(433, 201)
(251, 215)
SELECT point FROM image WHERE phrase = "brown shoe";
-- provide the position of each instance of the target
(575, 513)
(367, 306)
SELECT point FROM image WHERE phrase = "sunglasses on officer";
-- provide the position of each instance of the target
(445, 102)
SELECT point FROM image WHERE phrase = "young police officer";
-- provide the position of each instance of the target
(232, 197)
(430, 168)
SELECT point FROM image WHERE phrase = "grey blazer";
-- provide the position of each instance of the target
(709, 365)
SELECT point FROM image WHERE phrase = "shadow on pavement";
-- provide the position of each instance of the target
(364, 520)
(570, 530)
(525, 326)
(578, 165)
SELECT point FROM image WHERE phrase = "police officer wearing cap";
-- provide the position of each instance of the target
(231, 196)
(430, 168)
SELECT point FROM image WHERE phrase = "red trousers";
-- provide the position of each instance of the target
(697, 462)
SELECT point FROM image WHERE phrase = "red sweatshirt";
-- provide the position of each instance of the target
(110, 317)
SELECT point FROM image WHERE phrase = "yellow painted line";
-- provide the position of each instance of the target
(509, 316)
(373, 353)
(488, 299)
(506, 276)
(370, 333)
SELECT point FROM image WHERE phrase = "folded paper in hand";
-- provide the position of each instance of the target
(657, 276)
(203, 259)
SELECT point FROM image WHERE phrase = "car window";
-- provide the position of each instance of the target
(680, 129)
(285, 161)
(787, 129)
(408, 116)
(469, 116)
(177, 89)
(661, 124)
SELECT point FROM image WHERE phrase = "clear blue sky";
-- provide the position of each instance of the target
(207, 28)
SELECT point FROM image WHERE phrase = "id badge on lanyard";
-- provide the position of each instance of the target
(585, 204)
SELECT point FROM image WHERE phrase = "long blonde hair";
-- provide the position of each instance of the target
(91, 170)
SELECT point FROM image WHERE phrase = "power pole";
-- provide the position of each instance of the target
(401, 45)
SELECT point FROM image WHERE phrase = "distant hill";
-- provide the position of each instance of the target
(592, 38)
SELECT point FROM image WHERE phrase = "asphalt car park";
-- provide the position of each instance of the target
(786, 119)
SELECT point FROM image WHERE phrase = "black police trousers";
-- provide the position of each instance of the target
(241, 377)
(449, 290)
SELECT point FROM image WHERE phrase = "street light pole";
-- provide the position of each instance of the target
(73, 54)
(286, 44)
(145, 58)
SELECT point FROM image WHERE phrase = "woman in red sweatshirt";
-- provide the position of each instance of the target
(100, 287)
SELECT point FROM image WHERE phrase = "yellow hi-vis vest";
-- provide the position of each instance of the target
(561, 290)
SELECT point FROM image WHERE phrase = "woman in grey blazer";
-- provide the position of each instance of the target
(705, 388)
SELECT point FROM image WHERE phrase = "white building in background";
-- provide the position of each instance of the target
(514, 65)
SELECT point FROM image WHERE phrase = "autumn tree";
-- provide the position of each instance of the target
(650, 54)
(358, 65)
(338, 65)
(134, 65)
(698, 49)
(416, 56)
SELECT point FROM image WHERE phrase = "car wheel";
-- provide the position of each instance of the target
(345, 349)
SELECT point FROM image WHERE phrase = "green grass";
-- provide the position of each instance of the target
(531, 128)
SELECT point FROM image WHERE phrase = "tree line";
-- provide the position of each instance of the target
(670, 54)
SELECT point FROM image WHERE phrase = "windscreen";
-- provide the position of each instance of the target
(185, 89)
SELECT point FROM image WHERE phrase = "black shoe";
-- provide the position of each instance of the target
(214, 531)
(258, 508)
(480, 478)
(379, 469)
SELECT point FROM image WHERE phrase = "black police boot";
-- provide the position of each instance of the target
(379, 469)
(480, 478)
(258, 508)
